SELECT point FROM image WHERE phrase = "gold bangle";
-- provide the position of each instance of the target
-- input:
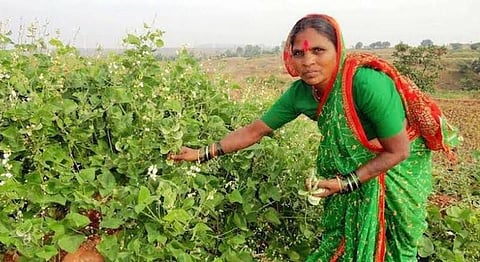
(339, 183)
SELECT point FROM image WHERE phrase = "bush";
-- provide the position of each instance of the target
(421, 64)
(84, 143)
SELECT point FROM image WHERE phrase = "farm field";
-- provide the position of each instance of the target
(267, 75)
(455, 185)
(84, 142)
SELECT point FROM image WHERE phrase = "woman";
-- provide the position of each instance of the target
(374, 164)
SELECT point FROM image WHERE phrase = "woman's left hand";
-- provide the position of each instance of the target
(330, 187)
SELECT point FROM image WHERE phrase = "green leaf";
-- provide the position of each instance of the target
(179, 215)
(240, 221)
(425, 247)
(236, 240)
(106, 179)
(200, 229)
(154, 235)
(132, 39)
(144, 196)
(159, 43)
(45, 199)
(86, 175)
(109, 248)
(174, 105)
(69, 106)
(269, 191)
(47, 252)
(118, 95)
(235, 196)
(294, 256)
(272, 216)
(56, 43)
(143, 199)
(242, 256)
(70, 243)
(111, 222)
(77, 220)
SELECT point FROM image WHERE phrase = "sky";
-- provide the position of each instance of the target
(190, 23)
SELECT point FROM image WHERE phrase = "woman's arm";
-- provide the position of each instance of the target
(395, 150)
(234, 141)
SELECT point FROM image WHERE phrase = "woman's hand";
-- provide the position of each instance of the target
(185, 154)
(329, 187)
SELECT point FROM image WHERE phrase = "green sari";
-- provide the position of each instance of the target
(386, 217)
(386, 214)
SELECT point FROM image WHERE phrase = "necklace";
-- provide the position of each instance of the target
(317, 94)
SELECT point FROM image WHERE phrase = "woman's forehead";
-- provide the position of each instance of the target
(309, 38)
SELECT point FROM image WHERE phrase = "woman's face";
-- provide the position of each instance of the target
(314, 57)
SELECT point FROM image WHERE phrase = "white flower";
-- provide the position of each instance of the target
(211, 194)
(6, 155)
(450, 233)
(7, 175)
(152, 172)
(190, 195)
(2, 183)
(195, 169)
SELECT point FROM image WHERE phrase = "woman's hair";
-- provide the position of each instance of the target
(320, 24)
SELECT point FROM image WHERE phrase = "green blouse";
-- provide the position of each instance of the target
(380, 109)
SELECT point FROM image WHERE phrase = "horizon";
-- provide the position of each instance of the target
(188, 23)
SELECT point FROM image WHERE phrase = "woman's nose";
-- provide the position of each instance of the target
(308, 58)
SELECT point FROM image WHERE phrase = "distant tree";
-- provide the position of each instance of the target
(475, 46)
(276, 49)
(385, 44)
(421, 64)
(426, 42)
(239, 51)
(375, 45)
(230, 53)
(470, 71)
(359, 45)
(252, 50)
(456, 46)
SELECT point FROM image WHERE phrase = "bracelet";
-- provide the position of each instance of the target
(350, 183)
(204, 154)
(201, 156)
(219, 149)
(339, 181)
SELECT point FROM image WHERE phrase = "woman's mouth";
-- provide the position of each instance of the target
(310, 74)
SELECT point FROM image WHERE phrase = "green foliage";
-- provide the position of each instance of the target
(426, 42)
(379, 45)
(421, 64)
(470, 71)
(475, 46)
(453, 234)
(84, 143)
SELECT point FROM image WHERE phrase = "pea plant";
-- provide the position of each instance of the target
(83, 143)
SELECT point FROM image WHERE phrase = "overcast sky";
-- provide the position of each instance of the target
(88, 23)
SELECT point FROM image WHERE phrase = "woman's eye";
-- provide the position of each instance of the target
(297, 53)
(317, 50)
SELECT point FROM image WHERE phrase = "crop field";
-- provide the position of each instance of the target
(455, 184)
(84, 144)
